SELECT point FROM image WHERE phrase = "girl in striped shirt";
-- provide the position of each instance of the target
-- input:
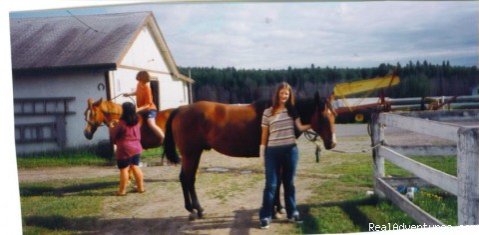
(278, 147)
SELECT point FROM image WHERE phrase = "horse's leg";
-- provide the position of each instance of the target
(194, 197)
(186, 193)
(189, 167)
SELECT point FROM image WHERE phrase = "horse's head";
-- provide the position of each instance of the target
(93, 117)
(98, 113)
(322, 121)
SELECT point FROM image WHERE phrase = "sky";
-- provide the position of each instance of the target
(258, 35)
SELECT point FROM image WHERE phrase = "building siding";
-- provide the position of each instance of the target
(81, 85)
(144, 54)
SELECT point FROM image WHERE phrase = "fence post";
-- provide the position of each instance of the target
(377, 137)
(468, 176)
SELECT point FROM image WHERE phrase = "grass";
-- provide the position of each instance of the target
(232, 185)
(436, 202)
(64, 206)
(340, 204)
(439, 204)
(65, 159)
(77, 157)
(446, 164)
(152, 153)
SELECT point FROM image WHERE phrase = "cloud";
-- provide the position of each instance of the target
(342, 34)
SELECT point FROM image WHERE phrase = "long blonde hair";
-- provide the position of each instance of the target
(289, 103)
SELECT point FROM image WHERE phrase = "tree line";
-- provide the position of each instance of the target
(230, 85)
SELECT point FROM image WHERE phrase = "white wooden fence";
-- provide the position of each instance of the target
(465, 185)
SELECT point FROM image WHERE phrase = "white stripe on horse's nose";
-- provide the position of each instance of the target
(334, 138)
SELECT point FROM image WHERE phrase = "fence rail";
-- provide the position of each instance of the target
(465, 185)
(438, 178)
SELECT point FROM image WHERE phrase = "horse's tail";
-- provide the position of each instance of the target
(169, 142)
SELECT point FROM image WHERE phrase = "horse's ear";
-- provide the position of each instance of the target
(98, 102)
(329, 103)
(90, 102)
(331, 98)
(318, 101)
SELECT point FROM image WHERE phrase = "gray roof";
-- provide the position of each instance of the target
(73, 41)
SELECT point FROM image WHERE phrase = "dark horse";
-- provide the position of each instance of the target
(233, 130)
(106, 112)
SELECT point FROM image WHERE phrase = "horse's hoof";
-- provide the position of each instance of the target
(201, 214)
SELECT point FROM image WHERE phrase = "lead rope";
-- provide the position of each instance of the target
(313, 137)
(383, 142)
(121, 94)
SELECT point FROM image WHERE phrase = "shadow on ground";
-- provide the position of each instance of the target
(240, 223)
(86, 189)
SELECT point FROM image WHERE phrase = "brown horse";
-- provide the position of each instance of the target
(233, 130)
(108, 113)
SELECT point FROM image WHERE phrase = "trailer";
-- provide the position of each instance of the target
(360, 109)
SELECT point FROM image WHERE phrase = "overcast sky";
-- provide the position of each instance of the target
(341, 34)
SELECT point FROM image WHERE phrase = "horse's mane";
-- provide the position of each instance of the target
(261, 105)
(305, 109)
(109, 106)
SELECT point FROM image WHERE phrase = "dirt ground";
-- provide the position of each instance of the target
(160, 209)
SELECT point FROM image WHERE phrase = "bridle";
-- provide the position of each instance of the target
(88, 113)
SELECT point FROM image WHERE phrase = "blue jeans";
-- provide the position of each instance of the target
(150, 113)
(285, 157)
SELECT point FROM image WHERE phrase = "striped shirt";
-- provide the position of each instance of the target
(281, 128)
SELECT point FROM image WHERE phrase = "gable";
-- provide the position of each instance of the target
(144, 53)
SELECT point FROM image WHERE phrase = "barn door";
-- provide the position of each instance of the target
(155, 88)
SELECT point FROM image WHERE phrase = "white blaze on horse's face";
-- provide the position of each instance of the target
(329, 112)
(88, 115)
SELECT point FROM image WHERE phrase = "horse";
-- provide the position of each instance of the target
(108, 113)
(233, 130)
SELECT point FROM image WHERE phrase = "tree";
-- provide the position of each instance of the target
(230, 85)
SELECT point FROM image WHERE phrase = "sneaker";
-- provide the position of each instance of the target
(295, 219)
(264, 223)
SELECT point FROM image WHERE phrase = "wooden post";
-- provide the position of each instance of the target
(468, 176)
(377, 137)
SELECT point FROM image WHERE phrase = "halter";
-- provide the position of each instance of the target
(313, 136)
(106, 114)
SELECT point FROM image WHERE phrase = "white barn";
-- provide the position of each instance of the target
(60, 62)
